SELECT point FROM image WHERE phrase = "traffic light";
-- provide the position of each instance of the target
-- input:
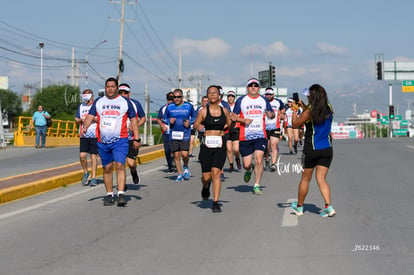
(272, 75)
(391, 112)
(379, 70)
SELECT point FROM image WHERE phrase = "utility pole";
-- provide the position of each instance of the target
(121, 37)
(41, 45)
(2, 143)
(29, 87)
(180, 79)
(146, 110)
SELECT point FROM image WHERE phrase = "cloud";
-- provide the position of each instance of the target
(211, 48)
(276, 48)
(329, 50)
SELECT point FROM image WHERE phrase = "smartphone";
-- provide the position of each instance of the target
(296, 97)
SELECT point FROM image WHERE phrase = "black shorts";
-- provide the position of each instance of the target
(273, 133)
(89, 145)
(234, 134)
(132, 152)
(313, 158)
(212, 157)
(193, 131)
(179, 145)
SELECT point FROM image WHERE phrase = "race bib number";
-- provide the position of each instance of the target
(109, 123)
(176, 135)
(213, 141)
(256, 125)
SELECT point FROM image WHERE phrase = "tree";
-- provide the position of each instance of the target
(11, 105)
(61, 101)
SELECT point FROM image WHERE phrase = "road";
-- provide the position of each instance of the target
(167, 229)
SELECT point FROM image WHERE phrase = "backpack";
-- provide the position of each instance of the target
(48, 122)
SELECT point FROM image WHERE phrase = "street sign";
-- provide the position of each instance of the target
(408, 86)
(400, 132)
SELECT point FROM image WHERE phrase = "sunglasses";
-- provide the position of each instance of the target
(230, 96)
(178, 96)
(253, 85)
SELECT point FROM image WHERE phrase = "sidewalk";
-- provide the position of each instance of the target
(27, 184)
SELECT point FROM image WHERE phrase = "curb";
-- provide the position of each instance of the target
(33, 188)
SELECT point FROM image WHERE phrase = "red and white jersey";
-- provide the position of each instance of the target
(253, 108)
(112, 115)
(272, 124)
(82, 113)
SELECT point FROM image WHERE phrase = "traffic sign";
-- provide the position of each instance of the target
(408, 86)
(400, 132)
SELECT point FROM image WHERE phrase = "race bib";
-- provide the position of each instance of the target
(256, 125)
(109, 123)
(213, 141)
(176, 135)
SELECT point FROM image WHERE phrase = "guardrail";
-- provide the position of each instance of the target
(62, 132)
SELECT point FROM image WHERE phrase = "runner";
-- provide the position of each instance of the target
(165, 130)
(125, 91)
(293, 134)
(212, 150)
(273, 128)
(112, 112)
(88, 142)
(250, 111)
(233, 141)
(180, 115)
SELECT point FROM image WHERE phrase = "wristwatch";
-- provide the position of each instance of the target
(137, 140)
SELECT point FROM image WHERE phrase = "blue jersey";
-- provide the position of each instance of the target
(140, 114)
(181, 113)
(318, 136)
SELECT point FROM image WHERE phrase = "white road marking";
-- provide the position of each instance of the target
(36, 206)
(289, 219)
(411, 147)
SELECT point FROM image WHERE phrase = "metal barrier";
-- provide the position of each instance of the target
(61, 133)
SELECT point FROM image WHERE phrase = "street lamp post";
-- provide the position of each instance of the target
(41, 45)
(87, 61)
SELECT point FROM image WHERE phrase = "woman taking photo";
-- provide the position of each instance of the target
(317, 150)
(213, 146)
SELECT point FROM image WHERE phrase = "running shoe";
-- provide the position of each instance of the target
(298, 210)
(109, 200)
(273, 167)
(85, 179)
(248, 174)
(205, 192)
(231, 168)
(296, 149)
(170, 171)
(216, 207)
(291, 153)
(121, 200)
(93, 182)
(135, 177)
(179, 178)
(257, 191)
(328, 212)
(222, 177)
(186, 173)
(238, 164)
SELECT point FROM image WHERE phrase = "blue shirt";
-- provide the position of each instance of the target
(39, 119)
(181, 113)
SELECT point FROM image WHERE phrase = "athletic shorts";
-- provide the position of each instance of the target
(273, 133)
(234, 134)
(193, 132)
(115, 151)
(313, 158)
(89, 145)
(247, 147)
(212, 157)
(132, 152)
(179, 145)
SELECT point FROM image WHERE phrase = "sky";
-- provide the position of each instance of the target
(223, 42)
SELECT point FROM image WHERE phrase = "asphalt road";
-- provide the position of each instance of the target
(167, 229)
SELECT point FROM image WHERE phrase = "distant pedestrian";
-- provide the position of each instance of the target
(179, 115)
(292, 133)
(213, 147)
(165, 130)
(40, 125)
(250, 111)
(125, 90)
(317, 148)
(88, 141)
(112, 112)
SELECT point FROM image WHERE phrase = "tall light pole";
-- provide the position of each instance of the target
(41, 45)
(87, 62)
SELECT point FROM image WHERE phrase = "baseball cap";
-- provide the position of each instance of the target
(124, 87)
(306, 92)
(269, 91)
(253, 80)
(231, 93)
